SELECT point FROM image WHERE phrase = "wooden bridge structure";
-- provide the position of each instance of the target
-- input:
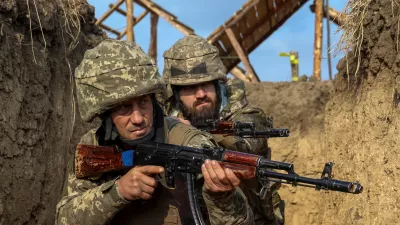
(242, 33)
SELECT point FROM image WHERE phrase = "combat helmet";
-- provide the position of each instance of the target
(192, 60)
(112, 73)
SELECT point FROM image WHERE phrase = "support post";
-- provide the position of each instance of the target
(153, 36)
(137, 20)
(294, 62)
(334, 15)
(319, 9)
(240, 52)
(129, 25)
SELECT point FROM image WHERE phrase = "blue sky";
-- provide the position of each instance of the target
(205, 16)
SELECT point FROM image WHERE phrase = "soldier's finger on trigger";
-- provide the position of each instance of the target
(148, 170)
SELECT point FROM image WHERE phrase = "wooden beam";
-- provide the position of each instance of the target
(170, 18)
(153, 36)
(240, 52)
(238, 73)
(319, 8)
(109, 11)
(233, 20)
(334, 15)
(137, 20)
(109, 29)
(120, 11)
(129, 25)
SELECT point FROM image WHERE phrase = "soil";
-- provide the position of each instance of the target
(37, 114)
(362, 124)
(300, 107)
(354, 121)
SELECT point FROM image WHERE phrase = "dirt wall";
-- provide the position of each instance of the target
(362, 122)
(299, 107)
(39, 47)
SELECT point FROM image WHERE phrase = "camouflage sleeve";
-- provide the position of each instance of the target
(229, 208)
(253, 145)
(88, 201)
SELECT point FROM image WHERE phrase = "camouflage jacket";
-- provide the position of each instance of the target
(95, 201)
(235, 107)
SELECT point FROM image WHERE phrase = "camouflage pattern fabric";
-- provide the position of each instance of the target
(192, 60)
(96, 201)
(111, 73)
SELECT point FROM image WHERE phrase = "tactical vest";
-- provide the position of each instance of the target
(161, 208)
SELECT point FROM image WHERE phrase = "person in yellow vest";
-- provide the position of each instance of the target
(198, 91)
(117, 82)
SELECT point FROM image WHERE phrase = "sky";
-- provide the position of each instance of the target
(296, 34)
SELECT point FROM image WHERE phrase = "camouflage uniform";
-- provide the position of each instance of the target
(111, 73)
(192, 60)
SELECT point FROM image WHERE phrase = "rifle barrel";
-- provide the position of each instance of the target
(328, 184)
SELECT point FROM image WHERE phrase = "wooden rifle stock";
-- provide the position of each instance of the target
(94, 160)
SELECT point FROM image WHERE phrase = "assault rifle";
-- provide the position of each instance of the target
(241, 129)
(181, 164)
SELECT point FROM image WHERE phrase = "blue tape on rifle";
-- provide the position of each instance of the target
(127, 158)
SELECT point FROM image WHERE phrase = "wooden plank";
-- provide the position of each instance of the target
(262, 9)
(109, 29)
(272, 12)
(220, 49)
(242, 55)
(109, 11)
(138, 19)
(129, 25)
(213, 37)
(251, 18)
(271, 30)
(170, 18)
(319, 10)
(153, 36)
(226, 43)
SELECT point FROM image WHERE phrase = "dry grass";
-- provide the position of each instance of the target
(353, 30)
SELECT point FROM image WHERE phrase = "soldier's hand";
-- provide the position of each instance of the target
(217, 179)
(138, 183)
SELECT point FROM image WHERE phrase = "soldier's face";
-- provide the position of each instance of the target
(199, 101)
(134, 118)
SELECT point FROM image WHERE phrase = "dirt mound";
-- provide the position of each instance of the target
(299, 107)
(39, 48)
(362, 121)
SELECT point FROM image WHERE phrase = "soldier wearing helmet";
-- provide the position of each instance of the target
(117, 82)
(198, 90)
